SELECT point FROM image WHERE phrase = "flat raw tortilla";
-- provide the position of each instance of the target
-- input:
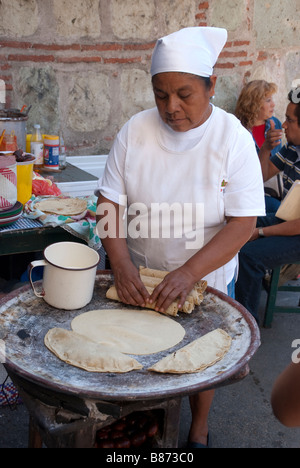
(62, 206)
(132, 331)
(196, 356)
(79, 351)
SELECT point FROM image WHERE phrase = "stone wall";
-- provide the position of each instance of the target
(84, 65)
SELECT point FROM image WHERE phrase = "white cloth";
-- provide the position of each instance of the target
(221, 170)
(191, 50)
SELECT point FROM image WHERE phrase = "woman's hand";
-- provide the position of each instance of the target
(175, 286)
(128, 283)
(129, 286)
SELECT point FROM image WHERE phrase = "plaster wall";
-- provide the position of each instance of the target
(84, 65)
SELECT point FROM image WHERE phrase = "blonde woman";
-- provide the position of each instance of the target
(255, 109)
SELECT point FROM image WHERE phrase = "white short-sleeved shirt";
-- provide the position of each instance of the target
(215, 165)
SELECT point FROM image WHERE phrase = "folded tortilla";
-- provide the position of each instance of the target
(79, 351)
(153, 273)
(151, 278)
(196, 356)
(172, 310)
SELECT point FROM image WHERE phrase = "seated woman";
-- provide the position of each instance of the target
(255, 108)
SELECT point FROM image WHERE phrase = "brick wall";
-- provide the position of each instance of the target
(84, 65)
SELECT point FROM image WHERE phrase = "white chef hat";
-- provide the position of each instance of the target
(191, 50)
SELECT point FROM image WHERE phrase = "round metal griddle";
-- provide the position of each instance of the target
(25, 320)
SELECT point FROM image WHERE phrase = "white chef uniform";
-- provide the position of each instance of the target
(214, 166)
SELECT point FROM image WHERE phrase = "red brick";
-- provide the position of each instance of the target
(78, 59)
(262, 55)
(201, 16)
(225, 65)
(203, 6)
(243, 64)
(122, 60)
(233, 54)
(16, 44)
(56, 47)
(5, 67)
(139, 46)
(241, 43)
(102, 47)
(5, 78)
(31, 58)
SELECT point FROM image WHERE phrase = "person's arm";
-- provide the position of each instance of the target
(285, 398)
(219, 251)
(177, 284)
(287, 228)
(126, 276)
(269, 169)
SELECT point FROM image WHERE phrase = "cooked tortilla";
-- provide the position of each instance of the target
(81, 352)
(172, 310)
(151, 278)
(131, 331)
(62, 206)
(196, 356)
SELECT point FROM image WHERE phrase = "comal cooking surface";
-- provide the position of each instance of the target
(25, 320)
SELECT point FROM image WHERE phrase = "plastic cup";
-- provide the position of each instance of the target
(24, 180)
(8, 183)
(28, 141)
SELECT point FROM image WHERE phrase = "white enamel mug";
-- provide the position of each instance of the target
(69, 275)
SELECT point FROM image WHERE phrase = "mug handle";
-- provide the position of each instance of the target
(34, 264)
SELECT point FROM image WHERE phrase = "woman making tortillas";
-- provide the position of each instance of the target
(199, 166)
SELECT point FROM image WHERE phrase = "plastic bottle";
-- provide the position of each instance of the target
(62, 153)
(37, 148)
(51, 152)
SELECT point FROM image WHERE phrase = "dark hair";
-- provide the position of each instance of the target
(294, 97)
(207, 82)
(206, 79)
